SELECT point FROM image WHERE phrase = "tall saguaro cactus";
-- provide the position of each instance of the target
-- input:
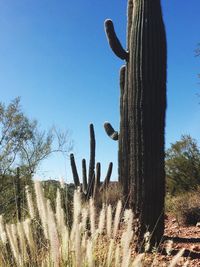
(142, 114)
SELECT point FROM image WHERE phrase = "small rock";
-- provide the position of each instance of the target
(198, 224)
(196, 248)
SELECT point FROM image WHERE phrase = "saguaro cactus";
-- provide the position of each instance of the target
(142, 114)
(91, 185)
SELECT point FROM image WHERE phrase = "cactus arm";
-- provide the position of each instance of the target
(98, 173)
(110, 131)
(122, 79)
(107, 126)
(84, 175)
(92, 156)
(114, 41)
(107, 178)
(90, 188)
(74, 170)
(97, 179)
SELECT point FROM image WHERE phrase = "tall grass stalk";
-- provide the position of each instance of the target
(177, 258)
(3, 236)
(30, 203)
(109, 221)
(117, 217)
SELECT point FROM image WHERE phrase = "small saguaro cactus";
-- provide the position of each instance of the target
(91, 184)
(142, 115)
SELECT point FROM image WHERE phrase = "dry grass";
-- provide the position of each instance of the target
(185, 207)
(94, 239)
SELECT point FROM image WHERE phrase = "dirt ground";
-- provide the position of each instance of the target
(182, 237)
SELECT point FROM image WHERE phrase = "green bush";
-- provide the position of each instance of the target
(183, 166)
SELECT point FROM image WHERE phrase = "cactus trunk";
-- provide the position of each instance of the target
(145, 93)
(142, 118)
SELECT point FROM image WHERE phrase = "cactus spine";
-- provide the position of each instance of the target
(142, 114)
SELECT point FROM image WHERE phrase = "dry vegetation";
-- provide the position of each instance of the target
(185, 207)
(97, 237)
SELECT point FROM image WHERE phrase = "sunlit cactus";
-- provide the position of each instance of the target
(142, 114)
(91, 184)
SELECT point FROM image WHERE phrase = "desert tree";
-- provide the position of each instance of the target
(23, 144)
(183, 165)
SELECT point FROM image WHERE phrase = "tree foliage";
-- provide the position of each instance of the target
(183, 165)
(23, 144)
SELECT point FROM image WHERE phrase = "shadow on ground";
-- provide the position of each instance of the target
(187, 252)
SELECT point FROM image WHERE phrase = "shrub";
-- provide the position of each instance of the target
(185, 207)
(183, 166)
(191, 216)
(109, 196)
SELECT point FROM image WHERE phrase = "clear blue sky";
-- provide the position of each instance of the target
(54, 54)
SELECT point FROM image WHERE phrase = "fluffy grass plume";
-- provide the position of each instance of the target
(47, 239)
